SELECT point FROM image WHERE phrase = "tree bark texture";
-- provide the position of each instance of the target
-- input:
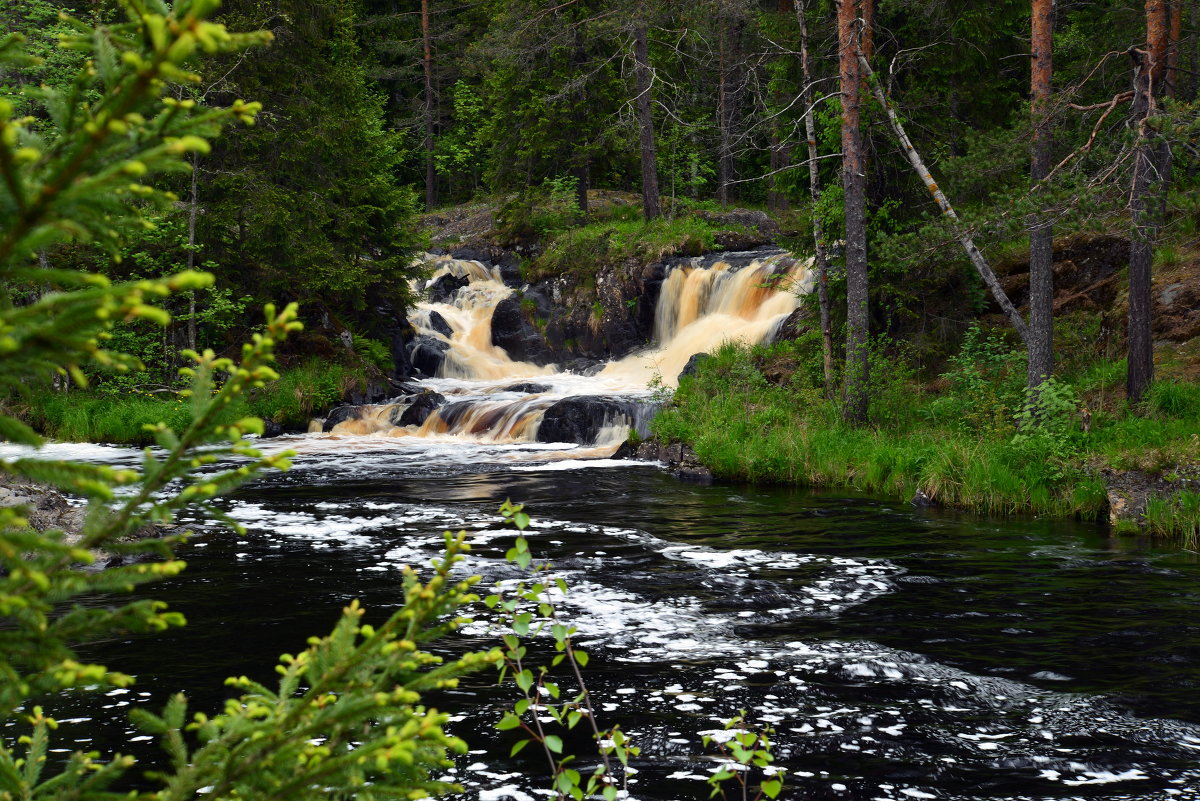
(1041, 235)
(645, 115)
(821, 255)
(730, 27)
(430, 170)
(1149, 70)
(857, 380)
(964, 237)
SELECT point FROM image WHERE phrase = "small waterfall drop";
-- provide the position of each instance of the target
(478, 394)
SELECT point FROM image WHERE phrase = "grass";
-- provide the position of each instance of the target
(82, 416)
(583, 250)
(959, 445)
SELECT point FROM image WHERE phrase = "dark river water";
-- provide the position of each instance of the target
(898, 654)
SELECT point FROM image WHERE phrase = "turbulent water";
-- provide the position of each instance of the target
(897, 654)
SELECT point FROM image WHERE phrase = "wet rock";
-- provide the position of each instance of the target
(441, 290)
(427, 353)
(528, 388)
(580, 419)
(438, 323)
(512, 331)
(921, 500)
(583, 366)
(693, 364)
(794, 326)
(376, 391)
(419, 409)
(680, 459)
(340, 415)
(272, 429)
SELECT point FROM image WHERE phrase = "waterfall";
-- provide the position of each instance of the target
(478, 394)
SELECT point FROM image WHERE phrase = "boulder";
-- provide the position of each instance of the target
(427, 353)
(693, 364)
(580, 419)
(513, 332)
(443, 289)
(340, 415)
(793, 326)
(528, 388)
(418, 410)
(438, 323)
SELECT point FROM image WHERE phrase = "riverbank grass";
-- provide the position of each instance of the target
(300, 393)
(962, 440)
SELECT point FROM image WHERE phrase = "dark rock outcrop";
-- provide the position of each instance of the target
(427, 353)
(419, 408)
(527, 388)
(794, 325)
(680, 459)
(693, 364)
(442, 289)
(580, 419)
(513, 331)
(340, 415)
(1129, 491)
(438, 323)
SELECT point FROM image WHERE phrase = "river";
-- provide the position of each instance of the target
(898, 654)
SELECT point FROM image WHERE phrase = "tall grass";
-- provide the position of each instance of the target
(960, 447)
(300, 393)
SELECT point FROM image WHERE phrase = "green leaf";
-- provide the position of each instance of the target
(771, 787)
(554, 743)
(517, 746)
(509, 721)
(581, 657)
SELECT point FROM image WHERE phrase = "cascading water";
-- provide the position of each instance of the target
(478, 394)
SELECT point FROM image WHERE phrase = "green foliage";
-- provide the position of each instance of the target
(986, 383)
(346, 719)
(1179, 399)
(307, 206)
(583, 250)
(374, 352)
(742, 748)
(125, 419)
(1177, 516)
(302, 392)
(527, 610)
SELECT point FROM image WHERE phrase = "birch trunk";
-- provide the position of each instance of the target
(964, 238)
(821, 256)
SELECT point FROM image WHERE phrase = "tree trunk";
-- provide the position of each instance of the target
(430, 171)
(781, 155)
(821, 257)
(1175, 32)
(964, 238)
(854, 187)
(193, 204)
(1041, 235)
(1149, 73)
(645, 114)
(723, 135)
(731, 24)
